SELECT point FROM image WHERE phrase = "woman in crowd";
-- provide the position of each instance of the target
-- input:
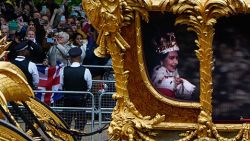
(165, 76)
(59, 52)
(80, 42)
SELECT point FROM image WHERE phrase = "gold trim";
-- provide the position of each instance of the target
(176, 126)
(127, 123)
(13, 83)
(4, 44)
(10, 133)
(3, 103)
(48, 119)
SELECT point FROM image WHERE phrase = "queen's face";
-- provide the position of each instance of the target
(171, 61)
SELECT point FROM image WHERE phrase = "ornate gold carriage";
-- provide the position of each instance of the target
(141, 112)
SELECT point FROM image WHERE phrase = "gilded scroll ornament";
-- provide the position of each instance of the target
(127, 122)
(4, 44)
(10, 133)
(48, 119)
(106, 17)
(3, 103)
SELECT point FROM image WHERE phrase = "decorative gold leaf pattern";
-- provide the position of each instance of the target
(199, 15)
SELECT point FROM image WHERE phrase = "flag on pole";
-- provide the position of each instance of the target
(49, 80)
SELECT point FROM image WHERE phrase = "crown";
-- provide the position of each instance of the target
(164, 46)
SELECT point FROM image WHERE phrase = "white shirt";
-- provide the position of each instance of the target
(32, 70)
(87, 75)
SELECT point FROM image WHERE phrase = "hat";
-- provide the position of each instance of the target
(166, 44)
(21, 46)
(74, 52)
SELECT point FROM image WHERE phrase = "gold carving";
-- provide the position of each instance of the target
(3, 103)
(13, 83)
(127, 122)
(201, 16)
(4, 44)
(13, 87)
(10, 133)
(106, 17)
(49, 120)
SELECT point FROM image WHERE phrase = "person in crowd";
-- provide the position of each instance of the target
(48, 4)
(78, 23)
(76, 78)
(36, 52)
(80, 42)
(22, 26)
(70, 20)
(27, 10)
(7, 9)
(62, 23)
(28, 68)
(36, 15)
(68, 29)
(3, 20)
(4, 30)
(45, 22)
(165, 76)
(39, 36)
(91, 58)
(18, 38)
(59, 52)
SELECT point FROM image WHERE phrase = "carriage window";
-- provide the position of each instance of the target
(231, 76)
(169, 55)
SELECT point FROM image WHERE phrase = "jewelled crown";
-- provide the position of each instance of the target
(164, 45)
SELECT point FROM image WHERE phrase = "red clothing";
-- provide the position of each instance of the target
(167, 92)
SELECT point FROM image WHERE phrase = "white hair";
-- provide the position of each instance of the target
(64, 35)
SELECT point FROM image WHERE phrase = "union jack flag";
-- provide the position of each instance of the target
(49, 80)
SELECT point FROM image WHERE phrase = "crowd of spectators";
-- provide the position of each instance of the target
(47, 33)
(51, 29)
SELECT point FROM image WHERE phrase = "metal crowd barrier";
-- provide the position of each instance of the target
(100, 104)
(104, 109)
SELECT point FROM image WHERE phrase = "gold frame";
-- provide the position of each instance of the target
(132, 119)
